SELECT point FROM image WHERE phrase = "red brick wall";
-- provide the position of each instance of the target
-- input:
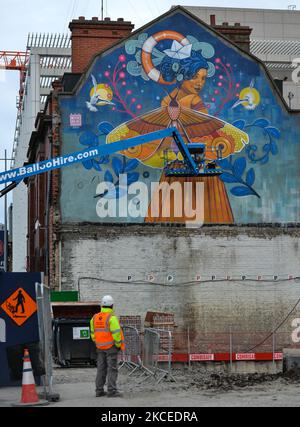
(240, 35)
(90, 37)
(134, 321)
(55, 219)
(37, 190)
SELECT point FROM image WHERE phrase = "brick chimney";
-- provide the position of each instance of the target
(237, 33)
(90, 37)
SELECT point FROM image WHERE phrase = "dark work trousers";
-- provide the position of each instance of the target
(107, 367)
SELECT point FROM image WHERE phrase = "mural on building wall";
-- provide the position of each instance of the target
(179, 73)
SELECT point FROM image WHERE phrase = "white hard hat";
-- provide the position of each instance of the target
(107, 301)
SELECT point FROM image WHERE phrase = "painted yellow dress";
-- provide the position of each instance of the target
(187, 112)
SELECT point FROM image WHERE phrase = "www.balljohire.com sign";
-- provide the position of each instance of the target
(19, 174)
(48, 165)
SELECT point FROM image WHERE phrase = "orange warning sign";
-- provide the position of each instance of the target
(19, 306)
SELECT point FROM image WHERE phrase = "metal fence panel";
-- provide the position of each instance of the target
(158, 347)
(43, 298)
(131, 357)
(151, 349)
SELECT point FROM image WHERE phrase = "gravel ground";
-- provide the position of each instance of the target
(195, 388)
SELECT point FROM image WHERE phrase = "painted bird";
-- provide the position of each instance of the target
(96, 98)
(249, 98)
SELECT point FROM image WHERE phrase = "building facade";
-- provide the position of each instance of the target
(48, 59)
(241, 267)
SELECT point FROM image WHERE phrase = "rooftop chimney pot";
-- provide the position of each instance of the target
(92, 36)
(237, 33)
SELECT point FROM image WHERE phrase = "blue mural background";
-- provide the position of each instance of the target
(262, 180)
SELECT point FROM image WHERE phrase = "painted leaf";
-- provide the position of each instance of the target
(264, 161)
(228, 178)
(97, 166)
(117, 166)
(105, 128)
(88, 138)
(131, 165)
(273, 132)
(225, 164)
(239, 166)
(250, 179)
(274, 148)
(240, 124)
(108, 177)
(103, 160)
(251, 151)
(132, 177)
(252, 147)
(241, 191)
(261, 123)
(88, 164)
(251, 157)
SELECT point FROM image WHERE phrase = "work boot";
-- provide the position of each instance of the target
(100, 393)
(115, 394)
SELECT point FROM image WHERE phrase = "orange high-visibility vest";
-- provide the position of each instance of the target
(123, 341)
(104, 339)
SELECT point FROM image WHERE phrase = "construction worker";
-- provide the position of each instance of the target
(109, 339)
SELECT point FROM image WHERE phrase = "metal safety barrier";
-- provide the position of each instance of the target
(231, 346)
(131, 357)
(45, 331)
(162, 348)
(158, 347)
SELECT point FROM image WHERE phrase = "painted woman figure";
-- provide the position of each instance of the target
(194, 70)
(184, 109)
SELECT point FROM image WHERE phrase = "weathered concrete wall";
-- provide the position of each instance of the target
(111, 254)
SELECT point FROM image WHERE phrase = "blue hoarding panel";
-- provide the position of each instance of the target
(18, 316)
(1, 250)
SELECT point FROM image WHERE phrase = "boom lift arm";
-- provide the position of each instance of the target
(194, 162)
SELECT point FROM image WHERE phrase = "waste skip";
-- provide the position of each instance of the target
(72, 343)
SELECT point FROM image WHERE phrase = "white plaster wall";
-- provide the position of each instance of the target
(20, 212)
(209, 307)
(20, 201)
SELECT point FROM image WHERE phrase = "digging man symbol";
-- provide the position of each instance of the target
(20, 302)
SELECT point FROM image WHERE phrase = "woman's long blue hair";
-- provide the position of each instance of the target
(187, 67)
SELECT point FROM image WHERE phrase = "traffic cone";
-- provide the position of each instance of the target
(29, 394)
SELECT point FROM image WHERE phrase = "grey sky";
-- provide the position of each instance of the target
(18, 18)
